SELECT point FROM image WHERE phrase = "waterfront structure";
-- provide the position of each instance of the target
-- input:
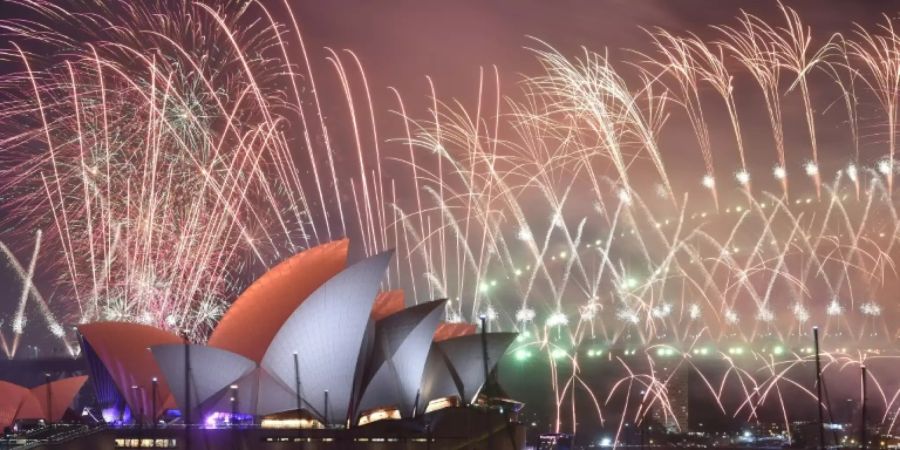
(47, 402)
(312, 336)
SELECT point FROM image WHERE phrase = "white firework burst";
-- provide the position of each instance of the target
(557, 319)
(731, 317)
(779, 172)
(800, 312)
(811, 169)
(661, 311)
(694, 312)
(852, 172)
(491, 314)
(870, 309)
(525, 315)
(627, 315)
(524, 234)
(834, 308)
(624, 196)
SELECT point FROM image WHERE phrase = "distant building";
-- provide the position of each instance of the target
(674, 415)
(555, 441)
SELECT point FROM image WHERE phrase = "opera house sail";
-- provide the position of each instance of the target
(313, 344)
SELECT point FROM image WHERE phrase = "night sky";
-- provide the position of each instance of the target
(400, 43)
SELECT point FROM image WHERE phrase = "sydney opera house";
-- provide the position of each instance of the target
(311, 355)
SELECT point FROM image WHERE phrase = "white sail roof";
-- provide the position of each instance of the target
(326, 332)
(401, 344)
(456, 366)
(213, 370)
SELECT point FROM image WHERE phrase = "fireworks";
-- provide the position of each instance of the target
(155, 144)
(525, 315)
(779, 172)
(658, 261)
(153, 153)
(638, 251)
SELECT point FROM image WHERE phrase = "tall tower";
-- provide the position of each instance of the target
(677, 390)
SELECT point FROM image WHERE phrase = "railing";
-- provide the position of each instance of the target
(52, 434)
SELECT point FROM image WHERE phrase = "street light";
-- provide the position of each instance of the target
(139, 391)
(297, 382)
(326, 408)
(49, 399)
(484, 351)
(642, 417)
(234, 396)
(153, 400)
(299, 394)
